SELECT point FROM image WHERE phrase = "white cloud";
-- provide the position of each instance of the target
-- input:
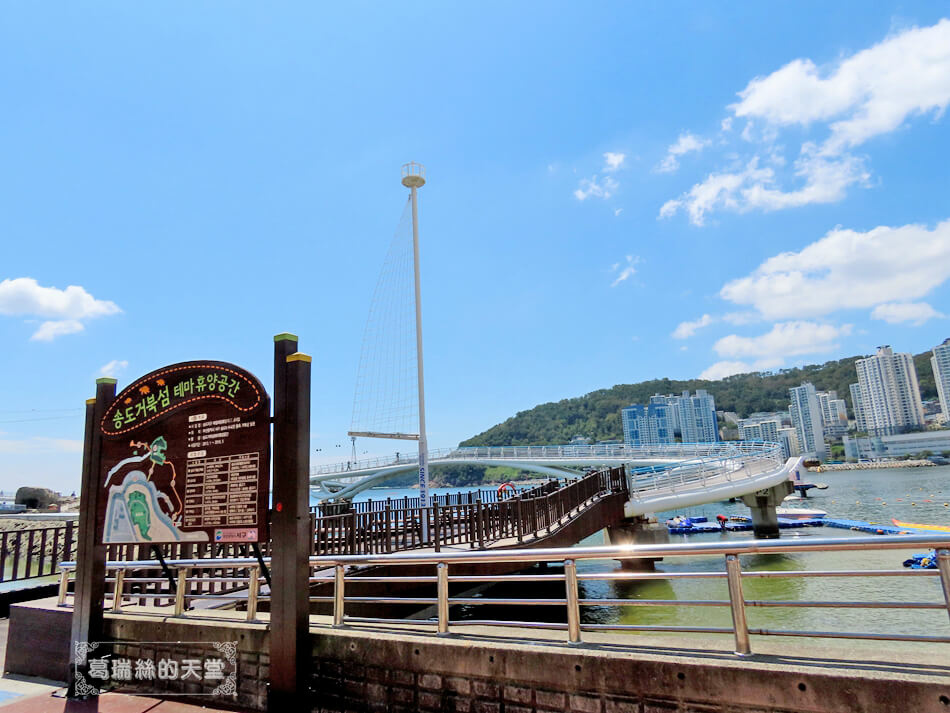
(897, 312)
(114, 367)
(627, 270)
(869, 93)
(722, 369)
(618, 212)
(825, 181)
(784, 339)
(686, 143)
(684, 330)
(24, 296)
(742, 318)
(613, 161)
(594, 187)
(48, 331)
(718, 190)
(65, 309)
(847, 269)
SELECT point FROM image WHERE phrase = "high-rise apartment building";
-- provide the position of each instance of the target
(806, 418)
(788, 437)
(693, 418)
(698, 417)
(889, 393)
(647, 425)
(834, 413)
(858, 403)
(940, 361)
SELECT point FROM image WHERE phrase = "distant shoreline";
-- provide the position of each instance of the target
(879, 465)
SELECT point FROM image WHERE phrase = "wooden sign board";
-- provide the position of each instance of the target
(185, 457)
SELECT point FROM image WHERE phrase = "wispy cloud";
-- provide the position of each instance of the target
(624, 270)
(685, 330)
(602, 186)
(114, 368)
(915, 313)
(686, 143)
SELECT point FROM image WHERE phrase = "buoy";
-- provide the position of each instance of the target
(913, 503)
(883, 503)
(900, 500)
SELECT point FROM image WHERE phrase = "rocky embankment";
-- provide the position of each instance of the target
(871, 466)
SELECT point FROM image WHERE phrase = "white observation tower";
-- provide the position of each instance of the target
(413, 178)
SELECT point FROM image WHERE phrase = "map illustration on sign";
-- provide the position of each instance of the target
(185, 457)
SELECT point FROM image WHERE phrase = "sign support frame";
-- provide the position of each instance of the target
(90, 582)
(290, 649)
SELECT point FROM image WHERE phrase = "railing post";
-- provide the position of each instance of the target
(520, 517)
(351, 534)
(180, 591)
(436, 529)
(339, 573)
(943, 564)
(253, 589)
(573, 607)
(63, 587)
(442, 569)
(117, 591)
(479, 524)
(737, 604)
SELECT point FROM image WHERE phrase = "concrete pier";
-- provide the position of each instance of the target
(638, 531)
(762, 503)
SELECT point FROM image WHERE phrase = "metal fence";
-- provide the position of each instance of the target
(36, 552)
(388, 526)
(333, 569)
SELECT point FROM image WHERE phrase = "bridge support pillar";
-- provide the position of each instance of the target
(762, 503)
(638, 531)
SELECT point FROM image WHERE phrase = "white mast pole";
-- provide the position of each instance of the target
(413, 176)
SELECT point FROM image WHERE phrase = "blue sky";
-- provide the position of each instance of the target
(616, 192)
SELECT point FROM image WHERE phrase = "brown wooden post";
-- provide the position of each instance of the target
(90, 554)
(290, 652)
(520, 517)
(436, 529)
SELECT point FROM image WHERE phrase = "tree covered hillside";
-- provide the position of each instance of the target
(597, 415)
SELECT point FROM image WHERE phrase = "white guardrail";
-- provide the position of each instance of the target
(690, 452)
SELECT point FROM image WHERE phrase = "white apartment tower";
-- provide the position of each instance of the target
(834, 413)
(940, 361)
(858, 403)
(806, 418)
(889, 393)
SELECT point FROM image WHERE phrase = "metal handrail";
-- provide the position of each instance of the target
(611, 451)
(444, 561)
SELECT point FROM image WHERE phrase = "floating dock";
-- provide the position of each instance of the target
(700, 525)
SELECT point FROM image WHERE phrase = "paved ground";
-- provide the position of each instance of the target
(109, 703)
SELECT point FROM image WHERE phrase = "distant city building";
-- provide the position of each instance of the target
(940, 361)
(858, 403)
(807, 420)
(889, 394)
(647, 425)
(894, 446)
(788, 437)
(834, 414)
(692, 418)
(751, 429)
(697, 417)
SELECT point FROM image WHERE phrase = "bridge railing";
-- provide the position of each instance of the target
(391, 525)
(607, 451)
(453, 570)
(746, 460)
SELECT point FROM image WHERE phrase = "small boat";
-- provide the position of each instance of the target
(918, 526)
(800, 513)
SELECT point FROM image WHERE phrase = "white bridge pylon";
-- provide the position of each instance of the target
(659, 477)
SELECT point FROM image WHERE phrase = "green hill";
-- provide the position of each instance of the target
(597, 414)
